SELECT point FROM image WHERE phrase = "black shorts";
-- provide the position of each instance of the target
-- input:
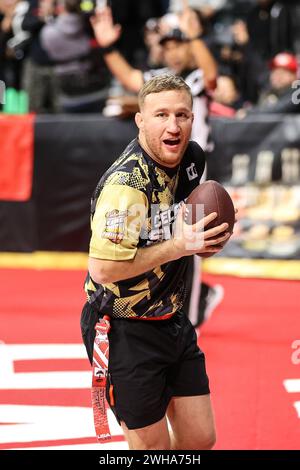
(149, 363)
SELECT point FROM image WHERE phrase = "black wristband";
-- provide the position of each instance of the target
(108, 49)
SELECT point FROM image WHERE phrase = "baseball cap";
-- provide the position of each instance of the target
(284, 60)
(175, 35)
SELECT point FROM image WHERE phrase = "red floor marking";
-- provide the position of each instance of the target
(73, 397)
(48, 365)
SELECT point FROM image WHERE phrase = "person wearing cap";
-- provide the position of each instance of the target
(184, 54)
(283, 73)
(278, 97)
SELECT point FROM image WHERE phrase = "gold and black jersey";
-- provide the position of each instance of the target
(134, 205)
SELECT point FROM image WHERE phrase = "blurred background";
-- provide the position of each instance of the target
(68, 95)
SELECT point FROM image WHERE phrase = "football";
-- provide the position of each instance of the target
(208, 197)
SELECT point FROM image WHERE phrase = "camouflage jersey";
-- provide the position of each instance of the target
(134, 206)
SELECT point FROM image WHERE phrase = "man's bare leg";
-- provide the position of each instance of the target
(153, 437)
(192, 423)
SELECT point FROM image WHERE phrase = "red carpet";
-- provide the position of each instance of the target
(248, 345)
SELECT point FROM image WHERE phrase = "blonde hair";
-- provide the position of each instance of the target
(161, 83)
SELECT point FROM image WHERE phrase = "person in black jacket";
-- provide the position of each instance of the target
(266, 32)
(10, 67)
(39, 79)
(281, 95)
(82, 76)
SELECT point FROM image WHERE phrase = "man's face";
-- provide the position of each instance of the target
(281, 78)
(165, 125)
(177, 55)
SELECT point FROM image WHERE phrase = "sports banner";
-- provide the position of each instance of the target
(258, 161)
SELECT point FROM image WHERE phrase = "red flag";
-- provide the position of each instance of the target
(16, 157)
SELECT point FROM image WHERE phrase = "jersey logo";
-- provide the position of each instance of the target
(191, 172)
(115, 225)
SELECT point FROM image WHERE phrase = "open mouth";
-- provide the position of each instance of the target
(172, 142)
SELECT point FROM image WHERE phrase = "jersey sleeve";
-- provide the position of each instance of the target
(117, 223)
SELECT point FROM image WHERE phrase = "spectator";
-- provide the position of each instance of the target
(184, 54)
(268, 25)
(38, 78)
(283, 73)
(10, 67)
(82, 78)
(226, 96)
(278, 97)
(132, 16)
(251, 43)
(6, 14)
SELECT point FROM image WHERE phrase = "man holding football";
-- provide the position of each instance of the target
(137, 264)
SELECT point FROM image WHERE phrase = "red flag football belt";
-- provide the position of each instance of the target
(100, 373)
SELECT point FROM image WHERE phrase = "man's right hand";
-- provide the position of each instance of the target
(192, 239)
(106, 32)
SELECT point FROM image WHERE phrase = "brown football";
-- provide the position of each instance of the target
(208, 197)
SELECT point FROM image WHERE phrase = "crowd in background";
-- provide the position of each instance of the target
(49, 49)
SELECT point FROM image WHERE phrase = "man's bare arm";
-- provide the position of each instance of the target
(106, 272)
(205, 61)
(129, 77)
(106, 34)
(190, 25)
(186, 242)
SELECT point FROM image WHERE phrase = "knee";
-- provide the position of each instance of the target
(207, 442)
(197, 442)
(158, 445)
(155, 443)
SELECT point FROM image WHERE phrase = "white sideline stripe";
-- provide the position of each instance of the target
(46, 380)
(41, 380)
(45, 423)
(44, 351)
(292, 385)
(29, 423)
